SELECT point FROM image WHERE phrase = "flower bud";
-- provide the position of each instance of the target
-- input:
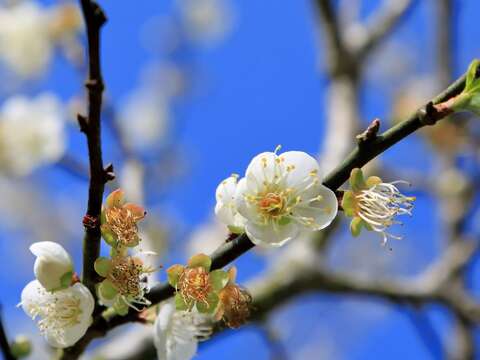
(21, 347)
(469, 98)
(53, 267)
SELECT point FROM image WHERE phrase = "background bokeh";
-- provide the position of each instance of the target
(192, 94)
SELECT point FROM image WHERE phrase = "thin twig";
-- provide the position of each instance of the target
(90, 125)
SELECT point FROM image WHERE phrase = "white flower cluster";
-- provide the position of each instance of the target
(31, 133)
(280, 197)
(176, 333)
(64, 311)
(29, 34)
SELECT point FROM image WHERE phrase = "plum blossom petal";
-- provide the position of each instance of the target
(64, 316)
(225, 209)
(53, 263)
(176, 333)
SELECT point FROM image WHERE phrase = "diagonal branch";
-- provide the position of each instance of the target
(90, 125)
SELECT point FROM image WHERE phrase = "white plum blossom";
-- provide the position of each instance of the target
(207, 237)
(25, 46)
(281, 196)
(63, 316)
(374, 204)
(226, 209)
(207, 21)
(53, 267)
(145, 117)
(176, 333)
(31, 133)
(30, 32)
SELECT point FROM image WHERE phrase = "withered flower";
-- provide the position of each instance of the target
(235, 303)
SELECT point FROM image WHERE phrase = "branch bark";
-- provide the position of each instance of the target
(90, 125)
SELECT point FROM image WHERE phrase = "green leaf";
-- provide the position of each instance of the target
(180, 303)
(115, 199)
(356, 226)
(66, 279)
(21, 347)
(109, 236)
(471, 75)
(106, 290)
(349, 203)
(121, 307)
(173, 273)
(218, 279)
(102, 266)
(357, 182)
(236, 229)
(200, 260)
(284, 220)
(367, 226)
(210, 306)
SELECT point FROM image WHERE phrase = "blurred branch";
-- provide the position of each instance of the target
(339, 59)
(273, 341)
(380, 25)
(445, 33)
(426, 331)
(4, 343)
(463, 340)
(90, 125)
(433, 286)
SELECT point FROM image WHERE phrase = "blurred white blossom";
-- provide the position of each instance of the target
(207, 20)
(31, 133)
(30, 32)
(144, 118)
(206, 238)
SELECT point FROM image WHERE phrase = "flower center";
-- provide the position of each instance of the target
(271, 203)
(122, 223)
(60, 313)
(194, 284)
(126, 276)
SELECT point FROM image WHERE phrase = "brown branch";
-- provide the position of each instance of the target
(339, 59)
(381, 25)
(90, 125)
